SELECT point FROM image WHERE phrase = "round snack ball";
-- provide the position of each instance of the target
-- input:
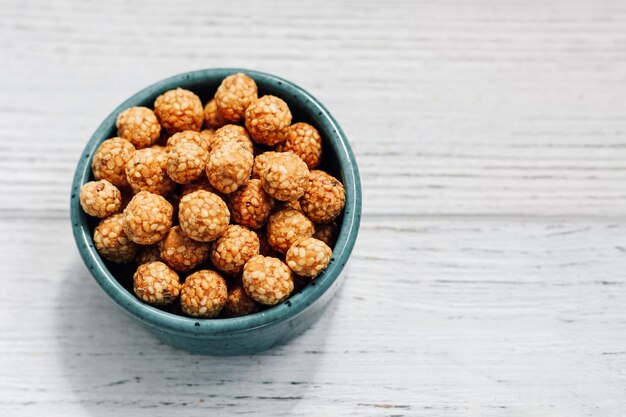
(179, 110)
(324, 197)
(182, 253)
(155, 283)
(186, 162)
(147, 218)
(285, 176)
(203, 216)
(287, 226)
(139, 126)
(234, 95)
(239, 303)
(260, 163)
(295, 204)
(146, 170)
(111, 240)
(100, 198)
(233, 133)
(303, 140)
(232, 250)
(267, 120)
(308, 257)
(228, 166)
(109, 161)
(327, 233)
(200, 184)
(150, 253)
(267, 280)
(204, 294)
(188, 136)
(212, 118)
(250, 205)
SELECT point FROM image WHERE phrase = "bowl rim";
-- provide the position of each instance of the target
(284, 311)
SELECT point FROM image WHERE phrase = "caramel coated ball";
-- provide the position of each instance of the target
(228, 166)
(324, 197)
(146, 170)
(232, 133)
(203, 294)
(149, 253)
(287, 226)
(188, 136)
(111, 241)
(186, 162)
(267, 280)
(139, 126)
(109, 161)
(203, 216)
(155, 283)
(308, 257)
(231, 251)
(147, 218)
(182, 253)
(234, 95)
(239, 303)
(212, 118)
(327, 233)
(285, 176)
(250, 205)
(267, 120)
(261, 162)
(100, 198)
(305, 141)
(179, 110)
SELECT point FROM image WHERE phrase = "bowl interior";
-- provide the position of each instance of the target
(338, 160)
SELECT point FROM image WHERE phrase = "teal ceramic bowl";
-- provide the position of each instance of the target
(256, 332)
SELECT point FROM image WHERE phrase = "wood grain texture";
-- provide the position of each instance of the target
(488, 277)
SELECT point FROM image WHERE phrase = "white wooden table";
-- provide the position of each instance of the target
(489, 278)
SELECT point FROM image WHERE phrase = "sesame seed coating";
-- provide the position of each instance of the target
(267, 120)
(285, 176)
(232, 250)
(295, 204)
(182, 253)
(327, 233)
(155, 283)
(100, 198)
(305, 141)
(233, 133)
(111, 240)
(228, 166)
(234, 95)
(186, 162)
(139, 126)
(203, 294)
(149, 253)
(287, 226)
(212, 118)
(324, 197)
(267, 280)
(250, 205)
(308, 257)
(260, 163)
(239, 303)
(179, 110)
(146, 170)
(109, 161)
(203, 216)
(188, 136)
(147, 218)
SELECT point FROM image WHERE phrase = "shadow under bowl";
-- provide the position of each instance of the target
(259, 331)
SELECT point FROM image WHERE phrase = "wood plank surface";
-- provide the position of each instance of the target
(488, 278)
